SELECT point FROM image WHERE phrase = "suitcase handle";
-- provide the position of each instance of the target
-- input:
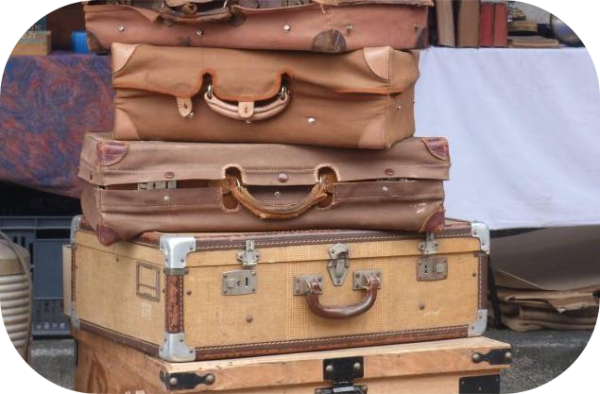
(277, 212)
(248, 111)
(342, 312)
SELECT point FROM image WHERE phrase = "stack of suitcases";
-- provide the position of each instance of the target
(261, 219)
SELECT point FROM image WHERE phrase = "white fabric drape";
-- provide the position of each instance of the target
(524, 133)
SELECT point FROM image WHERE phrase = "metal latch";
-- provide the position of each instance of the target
(494, 357)
(242, 282)
(430, 246)
(432, 269)
(249, 257)
(339, 264)
(158, 185)
(185, 381)
(342, 372)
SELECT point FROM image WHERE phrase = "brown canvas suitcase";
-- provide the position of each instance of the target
(133, 187)
(442, 367)
(331, 26)
(362, 99)
(215, 296)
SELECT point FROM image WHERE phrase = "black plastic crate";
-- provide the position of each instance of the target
(44, 238)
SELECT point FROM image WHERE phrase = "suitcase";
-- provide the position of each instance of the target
(216, 296)
(362, 99)
(135, 187)
(320, 26)
(469, 366)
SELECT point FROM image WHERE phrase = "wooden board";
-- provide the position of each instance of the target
(37, 43)
(431, 367)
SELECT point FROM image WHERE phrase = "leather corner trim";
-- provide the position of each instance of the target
(107, 236)
(111, 152)
(174, 304)
(435, 223)
(438, 147)
(378, 60)
(121, 53)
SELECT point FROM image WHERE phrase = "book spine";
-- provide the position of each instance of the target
(501, 25)
(486, 28)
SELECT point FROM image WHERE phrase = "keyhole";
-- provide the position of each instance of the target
(247, 282)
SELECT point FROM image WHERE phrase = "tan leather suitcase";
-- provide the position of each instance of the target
(465, 366)
(331, 26)
(362, 99)
(135, 187)
(214, 296)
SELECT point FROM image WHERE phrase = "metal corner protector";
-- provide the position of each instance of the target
(482, 232)
(75, 322)
(479, 327)
(75, 226)
(176, 249)
(175, 350)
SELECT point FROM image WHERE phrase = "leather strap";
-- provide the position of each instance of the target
(272, 211)
(248, 110)
(342, 312)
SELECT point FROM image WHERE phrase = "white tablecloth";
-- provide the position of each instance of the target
(524, 133)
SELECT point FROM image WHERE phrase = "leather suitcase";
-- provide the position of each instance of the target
(362, 99)
(443, 367)
(133, 187)
(215, 296)
(330, 26)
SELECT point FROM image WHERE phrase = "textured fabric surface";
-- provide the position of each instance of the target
(47, 104)
(523, 124)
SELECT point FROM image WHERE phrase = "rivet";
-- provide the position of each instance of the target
(283, 177)
(191, 116)
(122, 29)
(173, 381)
(287, 28)
(357, 367)
(349, 28)
(169, 175)
(253, 273)
(167, 198)
(422, 307)
(474, 275)
(389, 172)
(508, 356)
(248, 121)
(277, 194)
(209, 379)
(398, 107)
(329, 369)
(199, 33)
(189, 293)
(477, 357)
(312, 121)
(385, 188)
(249, 319)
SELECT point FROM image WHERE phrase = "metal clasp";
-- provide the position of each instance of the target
(430, 246)
(339, 264)
(249, 257)
(158, 185)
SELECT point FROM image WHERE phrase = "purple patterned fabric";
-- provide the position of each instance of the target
(47, 104)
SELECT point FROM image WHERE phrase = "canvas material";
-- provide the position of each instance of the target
(331, 27)
(363, 99)
(398, 189)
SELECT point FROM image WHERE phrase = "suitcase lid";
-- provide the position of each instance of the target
(108, 162)
(474, 239)
(182, 72)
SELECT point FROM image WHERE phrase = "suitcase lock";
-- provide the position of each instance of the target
(342, 372)
(339, 264)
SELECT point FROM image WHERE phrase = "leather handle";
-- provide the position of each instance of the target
(272, 211)
(248, 110)
(342, 312)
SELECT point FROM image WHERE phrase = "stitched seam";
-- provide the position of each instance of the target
(319, 340)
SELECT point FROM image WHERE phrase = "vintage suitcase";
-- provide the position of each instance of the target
(214, 296)
(362, 99)
(135, 187)
(332, 26)
(469, 366)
